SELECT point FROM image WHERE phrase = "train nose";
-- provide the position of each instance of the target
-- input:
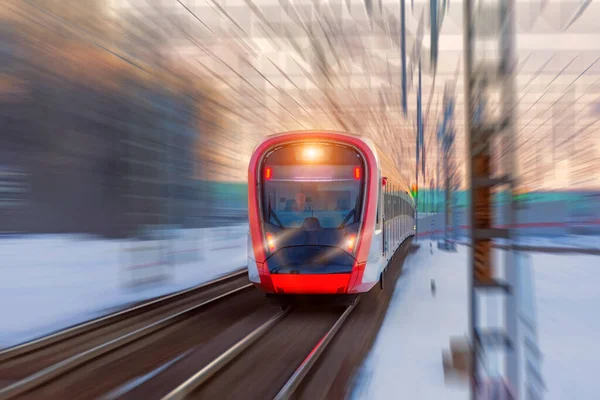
(310, 259)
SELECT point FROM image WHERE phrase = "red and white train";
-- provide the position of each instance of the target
(327, 211)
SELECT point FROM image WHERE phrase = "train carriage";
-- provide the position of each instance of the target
(327, 211)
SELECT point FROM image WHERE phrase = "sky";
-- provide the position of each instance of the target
(557, 88)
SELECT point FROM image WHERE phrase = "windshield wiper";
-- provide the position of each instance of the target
(272, 214)
(350, 214)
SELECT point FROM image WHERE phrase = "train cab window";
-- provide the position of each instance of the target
(313, 187)
(378, 220)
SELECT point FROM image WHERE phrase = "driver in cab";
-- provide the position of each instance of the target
(301, 202)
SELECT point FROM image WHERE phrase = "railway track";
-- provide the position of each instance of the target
(271, 361)
(32, 365)
(252, 339)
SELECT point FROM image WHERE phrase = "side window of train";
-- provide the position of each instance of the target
(402, 211)
(392, 201)
(400, 203)
(388, 203)
(386, 206)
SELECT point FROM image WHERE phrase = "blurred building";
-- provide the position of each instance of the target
(94, 144)
(14, 198)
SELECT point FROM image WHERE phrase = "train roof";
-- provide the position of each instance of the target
(388, 167)
(363, 139)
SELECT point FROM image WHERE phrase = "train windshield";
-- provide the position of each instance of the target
(313, 187)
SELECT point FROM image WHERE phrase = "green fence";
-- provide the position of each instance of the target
(234, 195)
(433, 200)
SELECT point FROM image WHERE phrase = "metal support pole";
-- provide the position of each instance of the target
(481, 130)
(419, 144)
(403, 54)
(437, 173)
(417, 192)
(447, 148)
(420, 117)
(431, 208)
(468, 59)
(448, 212)
(508, 57)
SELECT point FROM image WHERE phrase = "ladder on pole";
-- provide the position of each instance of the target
(485, 23)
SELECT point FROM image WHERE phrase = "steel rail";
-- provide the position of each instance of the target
(218, 363)
(47, 374)
(46, 341)
(298, 376)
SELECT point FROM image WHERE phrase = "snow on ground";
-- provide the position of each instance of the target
(563, 242)
(570, 241)
(406, 358)
(50, 282)
(568, 304)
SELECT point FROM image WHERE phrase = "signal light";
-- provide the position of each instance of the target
(351, 242)
(357, 173)
(414, 189)
(268, 173)
(270, 242)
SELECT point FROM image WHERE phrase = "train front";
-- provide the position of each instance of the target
(308, 203)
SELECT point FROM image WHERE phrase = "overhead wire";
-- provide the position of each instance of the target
(557, 100)
(241, 77)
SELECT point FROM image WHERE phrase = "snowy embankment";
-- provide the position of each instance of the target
(545, 231)
(568, 242)
(50, 282)
(406, 360)
(568, 300)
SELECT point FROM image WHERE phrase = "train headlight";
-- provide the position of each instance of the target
(270, 242)
(312, 153)
(350, 242)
